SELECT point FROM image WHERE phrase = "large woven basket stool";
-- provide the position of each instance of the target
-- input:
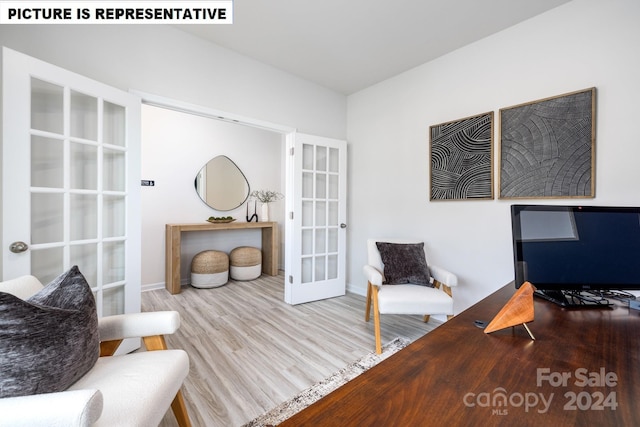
(209, 269)
(245, 263)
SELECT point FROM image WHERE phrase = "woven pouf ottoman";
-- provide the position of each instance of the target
(209, 269)
(245, 263)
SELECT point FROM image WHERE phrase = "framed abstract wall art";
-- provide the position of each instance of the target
(461, 159)
(547, 147)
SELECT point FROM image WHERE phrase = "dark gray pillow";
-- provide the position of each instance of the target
(404, 263)
(50, 340)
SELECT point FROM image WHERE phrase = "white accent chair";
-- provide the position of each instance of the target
(405, 298)
(134, 389)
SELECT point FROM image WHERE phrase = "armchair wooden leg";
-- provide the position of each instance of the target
(108, 348)
(447, 290)
(367, 313)
(180, 410)
(155, 342)
(376, 319)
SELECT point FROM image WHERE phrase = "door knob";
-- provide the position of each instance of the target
(17, 247)
(343, 225)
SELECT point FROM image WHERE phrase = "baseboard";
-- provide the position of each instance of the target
(161, 285)
(358, 290)
(152, 287)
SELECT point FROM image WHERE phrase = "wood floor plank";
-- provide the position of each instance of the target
(250, 351)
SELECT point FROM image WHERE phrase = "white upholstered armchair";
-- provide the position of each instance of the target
(417, 291)
(127, 390)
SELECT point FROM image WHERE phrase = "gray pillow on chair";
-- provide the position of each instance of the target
(404, 263)
(50, 340)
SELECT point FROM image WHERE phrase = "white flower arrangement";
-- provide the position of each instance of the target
(266, 196)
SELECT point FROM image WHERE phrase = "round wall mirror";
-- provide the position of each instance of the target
(221, 184)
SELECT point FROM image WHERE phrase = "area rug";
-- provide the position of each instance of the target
(319, 390)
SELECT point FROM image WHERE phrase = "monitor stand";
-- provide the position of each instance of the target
(572, 299)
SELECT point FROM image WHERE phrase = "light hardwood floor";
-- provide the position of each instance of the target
(250, 351)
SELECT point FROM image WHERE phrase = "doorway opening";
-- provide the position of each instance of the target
(178, 139)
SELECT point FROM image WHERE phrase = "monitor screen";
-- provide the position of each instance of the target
(576, 247)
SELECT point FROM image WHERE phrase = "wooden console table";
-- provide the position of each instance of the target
(270, 247)
(580, 370)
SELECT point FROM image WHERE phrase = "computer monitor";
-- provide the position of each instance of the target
(574, 248)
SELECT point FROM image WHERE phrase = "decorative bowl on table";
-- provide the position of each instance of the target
(220, 219)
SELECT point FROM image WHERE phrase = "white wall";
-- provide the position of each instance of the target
(582, 44)
(175, 146)
(164, 61)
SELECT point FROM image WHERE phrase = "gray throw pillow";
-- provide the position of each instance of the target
(50, 340)
(404, 263)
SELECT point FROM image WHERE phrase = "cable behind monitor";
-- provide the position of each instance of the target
(574, 299)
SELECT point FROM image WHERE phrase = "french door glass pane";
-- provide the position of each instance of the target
(320, 270)
(307, 214)
(307, 242)
(332, 240)
(307, 156)
(47, 264)
(113, 216)
(332, 266)
(47, 102)
(333, 186)
(47, 157)
(84, 116)
(113, 262)
(321, 214)
(114, 124)
(85, 256)
(321, 158)
(114, 170)
(84, 166)
(321, 240)
(307, 272)
(84, 216)
(334, 158)
(332, 213)
(307, 185)
(321, 186)
(113, 301)
(46, 218)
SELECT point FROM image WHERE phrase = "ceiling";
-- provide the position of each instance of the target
(348, 45)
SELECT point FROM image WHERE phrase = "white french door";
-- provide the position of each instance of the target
(71, 183)
(316, 239)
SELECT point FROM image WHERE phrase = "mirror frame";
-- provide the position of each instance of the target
(211, 203)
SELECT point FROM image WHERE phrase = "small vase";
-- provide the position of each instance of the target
(265, 213)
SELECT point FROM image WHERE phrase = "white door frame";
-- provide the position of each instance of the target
(184, 107)
(198, 110)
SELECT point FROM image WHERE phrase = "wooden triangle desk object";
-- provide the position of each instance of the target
(518, 310)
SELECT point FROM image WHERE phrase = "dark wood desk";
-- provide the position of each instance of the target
(457, 374)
